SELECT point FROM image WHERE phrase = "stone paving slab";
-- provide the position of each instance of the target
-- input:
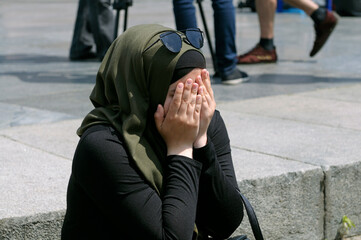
(342, 110)
(14, 115)
(351, 93)
(251, 165)
(33, 185)
(57, 138)
(298, 141)
(32, 181)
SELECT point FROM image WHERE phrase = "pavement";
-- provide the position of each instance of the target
(295, 128)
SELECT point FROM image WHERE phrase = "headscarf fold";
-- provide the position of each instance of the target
(129, 85)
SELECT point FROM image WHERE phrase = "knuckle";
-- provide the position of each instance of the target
(177, 101)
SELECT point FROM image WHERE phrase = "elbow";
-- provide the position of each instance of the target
(229, 222)
(234, 220)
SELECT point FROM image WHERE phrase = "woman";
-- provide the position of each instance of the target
(143, 170)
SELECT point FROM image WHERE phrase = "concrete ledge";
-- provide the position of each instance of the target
(301, 174)
(33, 186)
(289, 206)
(38, 226)
(343, 197)
(320, 129)
(287, 195)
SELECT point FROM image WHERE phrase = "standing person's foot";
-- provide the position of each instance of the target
(323, 31)
(258, 55)
(235, 77)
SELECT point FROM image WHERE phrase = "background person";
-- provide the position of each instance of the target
(93, 30)
(265, 50)
(224, 30)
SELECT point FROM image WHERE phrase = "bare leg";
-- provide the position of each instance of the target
(266, 14)
(308, 6)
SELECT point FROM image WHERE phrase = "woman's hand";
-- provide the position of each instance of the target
(180, 127)
(208, 107)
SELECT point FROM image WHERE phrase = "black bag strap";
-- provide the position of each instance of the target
(252, 218)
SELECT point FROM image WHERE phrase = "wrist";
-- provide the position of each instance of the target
(186, 151)
(201, 141)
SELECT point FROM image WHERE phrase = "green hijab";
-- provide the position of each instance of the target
(129, 86)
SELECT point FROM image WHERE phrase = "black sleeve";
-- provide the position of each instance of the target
(220, 208)
(104, 171)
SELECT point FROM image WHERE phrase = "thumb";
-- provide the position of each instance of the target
(159, 117)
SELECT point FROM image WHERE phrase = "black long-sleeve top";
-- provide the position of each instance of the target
(108, 198)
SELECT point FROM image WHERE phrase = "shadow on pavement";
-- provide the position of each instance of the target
(52, 77)
(299, 79)
(291, 79)
(48, 75)
(265, 85)
(31, 58)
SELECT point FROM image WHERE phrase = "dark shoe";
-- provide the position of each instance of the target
(235, 77)
(258, 55)
(323, 31)
(83, 56)
(216, 75)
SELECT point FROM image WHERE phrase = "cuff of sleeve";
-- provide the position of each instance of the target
(204, 154)
(190, 161)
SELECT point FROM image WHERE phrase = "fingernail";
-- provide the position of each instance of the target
(189, 81)
(180, 85)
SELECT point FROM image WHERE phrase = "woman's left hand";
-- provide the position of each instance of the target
(208, 108)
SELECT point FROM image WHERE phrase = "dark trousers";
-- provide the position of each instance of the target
(94, 26)
(224, 27)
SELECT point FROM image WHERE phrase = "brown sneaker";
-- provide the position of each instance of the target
(323, 31)
(258, 55)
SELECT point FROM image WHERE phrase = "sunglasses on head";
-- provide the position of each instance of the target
(172, 40)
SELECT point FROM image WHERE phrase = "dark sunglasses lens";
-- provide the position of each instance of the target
(172, 41)
(195, 38)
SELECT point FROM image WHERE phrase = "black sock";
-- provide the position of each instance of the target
(267, 43)
(319, 15)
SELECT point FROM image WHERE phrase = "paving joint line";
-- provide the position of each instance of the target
(299, 121)
(275, 155)
(34, 147)
(331, 99)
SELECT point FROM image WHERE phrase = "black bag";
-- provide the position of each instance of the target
(252, 220)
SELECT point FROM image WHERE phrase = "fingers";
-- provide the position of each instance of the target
(197, 108)
(185, 99)
(188, 98)
(204, 81)
(185, 96)
(205, 88)
(192, 100)
(159, 117)
(177, 100)
(207, 82)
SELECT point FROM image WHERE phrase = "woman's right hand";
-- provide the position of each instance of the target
(180, 127)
